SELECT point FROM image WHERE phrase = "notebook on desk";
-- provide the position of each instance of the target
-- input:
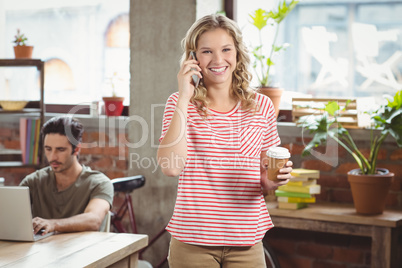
(16, 215)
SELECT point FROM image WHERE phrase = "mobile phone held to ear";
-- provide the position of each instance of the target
(196, 79)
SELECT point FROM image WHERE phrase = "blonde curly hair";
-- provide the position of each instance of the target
(241, 76)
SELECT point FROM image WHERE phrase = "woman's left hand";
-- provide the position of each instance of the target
(283, 178)
(284, 173)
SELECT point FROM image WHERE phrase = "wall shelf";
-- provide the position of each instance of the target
(39, 64)
(23, 111)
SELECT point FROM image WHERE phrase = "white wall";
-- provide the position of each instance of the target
(206, 7)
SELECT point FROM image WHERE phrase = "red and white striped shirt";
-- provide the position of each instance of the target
(219, 199)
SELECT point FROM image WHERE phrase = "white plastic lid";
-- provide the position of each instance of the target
(278, 152)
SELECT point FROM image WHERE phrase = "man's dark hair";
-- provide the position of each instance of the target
(66, 126)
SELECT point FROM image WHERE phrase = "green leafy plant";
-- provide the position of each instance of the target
(261, 19)
(388, 118)
(20, 39)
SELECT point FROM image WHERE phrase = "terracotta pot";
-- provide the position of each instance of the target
(275, 94)
(23, 52)
(370, 191)
(113, 105)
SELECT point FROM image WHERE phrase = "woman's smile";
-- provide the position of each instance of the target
(218, 70)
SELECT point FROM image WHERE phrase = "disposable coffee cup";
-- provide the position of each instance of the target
(277, 158)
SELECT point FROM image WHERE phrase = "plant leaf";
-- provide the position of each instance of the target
(277, 48)
(259, 19)
(270, 62)
(320, 126)
(332, 107)
(397, 101)
(283, 10)
(346, 104)
(319, 138)
(394, 126)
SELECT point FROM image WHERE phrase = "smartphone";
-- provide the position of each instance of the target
(196, 79)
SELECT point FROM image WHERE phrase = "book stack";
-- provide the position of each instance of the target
(300, 190)
(29, 140)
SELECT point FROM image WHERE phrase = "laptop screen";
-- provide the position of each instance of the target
(15, 214)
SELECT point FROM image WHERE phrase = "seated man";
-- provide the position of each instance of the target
(67, 196)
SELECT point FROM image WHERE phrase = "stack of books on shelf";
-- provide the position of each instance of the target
(29, 140)
(300, 190)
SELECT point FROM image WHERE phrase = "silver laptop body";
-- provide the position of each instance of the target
(16, 215)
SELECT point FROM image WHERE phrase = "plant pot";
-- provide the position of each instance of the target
(275, 94)
(23, 52)
(370, 191)
(113, 105)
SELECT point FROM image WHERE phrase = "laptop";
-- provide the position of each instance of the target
(16, 215)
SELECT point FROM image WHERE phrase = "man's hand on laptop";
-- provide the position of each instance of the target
(42, 226)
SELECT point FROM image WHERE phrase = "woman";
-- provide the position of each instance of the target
(215, 136)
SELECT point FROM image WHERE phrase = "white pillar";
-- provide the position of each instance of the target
(2, 29)
(2, 45)
(157, 28)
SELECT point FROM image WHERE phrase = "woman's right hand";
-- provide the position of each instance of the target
(184, 77)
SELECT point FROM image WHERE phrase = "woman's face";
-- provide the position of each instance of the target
(216, 54)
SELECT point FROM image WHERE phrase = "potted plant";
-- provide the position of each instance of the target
(367, 182)
(114, 104)
(21, 50)
(262, 55)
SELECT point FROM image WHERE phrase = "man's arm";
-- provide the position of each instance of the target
(90, 220)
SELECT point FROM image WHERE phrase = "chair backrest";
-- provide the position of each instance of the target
(106, 223)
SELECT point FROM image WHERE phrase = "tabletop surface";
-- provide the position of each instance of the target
(335, 212)
(82, 249)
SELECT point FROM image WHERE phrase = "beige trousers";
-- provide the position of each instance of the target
(183, 255)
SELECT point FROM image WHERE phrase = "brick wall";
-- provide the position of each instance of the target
(307, 249)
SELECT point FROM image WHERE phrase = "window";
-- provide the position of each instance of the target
(59, 78)
(117, 55)
(71, 37)
(338, 48)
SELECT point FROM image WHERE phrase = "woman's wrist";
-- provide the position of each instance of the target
(182, 104)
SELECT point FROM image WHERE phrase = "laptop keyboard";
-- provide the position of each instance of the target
(39, 235)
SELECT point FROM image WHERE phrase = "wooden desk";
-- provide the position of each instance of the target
(84, 249)
(383, 229)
